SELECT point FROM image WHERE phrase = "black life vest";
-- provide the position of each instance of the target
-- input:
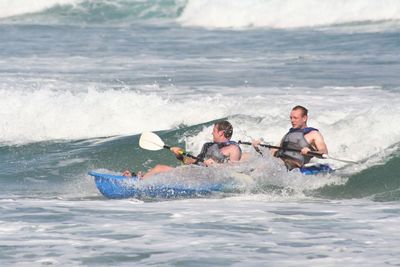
(212, 150)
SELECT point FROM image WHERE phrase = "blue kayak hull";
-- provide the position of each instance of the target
(118, 187)
(316, 169)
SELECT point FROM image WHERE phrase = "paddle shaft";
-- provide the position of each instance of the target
(183, 153)
(311, 153)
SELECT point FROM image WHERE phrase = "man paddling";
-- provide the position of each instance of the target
(300, 137)
(221, 150)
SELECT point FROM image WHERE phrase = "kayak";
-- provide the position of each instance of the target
(119, 187)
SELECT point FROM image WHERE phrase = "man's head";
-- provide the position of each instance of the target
(298, 117)
(222, 130)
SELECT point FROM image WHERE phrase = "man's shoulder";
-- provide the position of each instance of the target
(308, 130)
(207, 144)
(233, 146)
(314, 134)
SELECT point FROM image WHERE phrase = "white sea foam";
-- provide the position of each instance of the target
(10, 8)
(46, 114)
(357, 122)
(256, 228)
(286, 13)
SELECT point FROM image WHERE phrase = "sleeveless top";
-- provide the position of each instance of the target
(212, 150)
(294, 139)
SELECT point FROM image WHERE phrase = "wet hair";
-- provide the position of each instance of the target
(304, 111)
(225, 126)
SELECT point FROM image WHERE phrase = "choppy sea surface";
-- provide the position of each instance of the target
(81, 79)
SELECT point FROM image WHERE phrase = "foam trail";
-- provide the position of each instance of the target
(9, 8)
(286, 13)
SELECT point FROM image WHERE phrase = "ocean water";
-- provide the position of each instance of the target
(81, 79)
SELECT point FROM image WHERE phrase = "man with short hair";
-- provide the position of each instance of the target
(299, 137)
(221, 150)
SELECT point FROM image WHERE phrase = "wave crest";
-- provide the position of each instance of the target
(88, 11)
(286, 13)
(21, 7)
(204, 13)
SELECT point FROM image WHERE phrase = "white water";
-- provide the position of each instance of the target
(237, 14)
(286, 13)
(356, 122)
(240, 231)
(10, 8)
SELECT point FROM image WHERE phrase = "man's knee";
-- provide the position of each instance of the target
(162, 168)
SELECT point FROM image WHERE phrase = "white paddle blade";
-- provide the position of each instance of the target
(150, 141)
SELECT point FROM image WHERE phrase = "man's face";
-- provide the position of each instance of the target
(217, 135)
(297, 118)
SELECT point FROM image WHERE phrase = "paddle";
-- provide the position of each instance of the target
(311, 153)
(151, 141)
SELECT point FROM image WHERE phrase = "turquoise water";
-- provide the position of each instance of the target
(80, 80)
